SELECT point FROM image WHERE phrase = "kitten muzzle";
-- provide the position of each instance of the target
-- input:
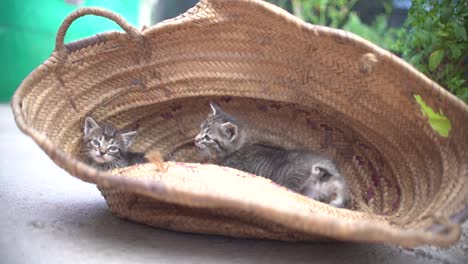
(204, 150)
(100, 159)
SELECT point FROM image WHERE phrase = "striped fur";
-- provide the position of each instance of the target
(223, 140)
(106, 148)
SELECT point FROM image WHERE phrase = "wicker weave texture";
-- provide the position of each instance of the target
(295, 85)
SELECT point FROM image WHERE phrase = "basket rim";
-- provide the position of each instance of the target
(393, 234)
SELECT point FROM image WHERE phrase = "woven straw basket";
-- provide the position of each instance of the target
(295, 85)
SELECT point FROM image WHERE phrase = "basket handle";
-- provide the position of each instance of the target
(127, 27)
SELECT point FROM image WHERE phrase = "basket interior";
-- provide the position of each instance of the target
(380, 180)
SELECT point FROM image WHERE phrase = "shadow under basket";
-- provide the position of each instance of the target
(400, 139)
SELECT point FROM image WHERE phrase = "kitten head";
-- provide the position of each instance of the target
(104, 143)
(220, 134)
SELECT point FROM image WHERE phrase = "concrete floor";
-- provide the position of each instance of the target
(47, 216)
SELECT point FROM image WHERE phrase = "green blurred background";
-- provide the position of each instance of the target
(28, 29)
(431, 35)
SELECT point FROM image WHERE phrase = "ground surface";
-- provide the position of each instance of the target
(47, 216)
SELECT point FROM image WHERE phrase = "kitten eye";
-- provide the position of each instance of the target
(113, 149)
(206, 138)
(95, 142)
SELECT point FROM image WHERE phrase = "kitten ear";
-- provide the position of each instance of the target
(324, 169)
(90, 124)
(214, 108)
(230, 130)
(129, 137)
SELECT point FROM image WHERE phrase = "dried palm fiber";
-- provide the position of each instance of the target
(299, 85)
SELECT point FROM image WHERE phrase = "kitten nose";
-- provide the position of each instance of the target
(102, 152)
(198, 138)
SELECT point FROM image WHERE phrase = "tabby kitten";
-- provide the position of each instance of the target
(106, 147)
(224, 141)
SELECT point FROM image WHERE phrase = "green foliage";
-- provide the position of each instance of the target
(324, 12)
(340, 14)
(438, 121)
(437, 43)
(378, 32)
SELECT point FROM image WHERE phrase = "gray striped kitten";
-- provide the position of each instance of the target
(224, 141)
(106, 147)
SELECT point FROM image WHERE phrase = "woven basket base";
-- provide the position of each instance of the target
(142, 209)
(296, 85)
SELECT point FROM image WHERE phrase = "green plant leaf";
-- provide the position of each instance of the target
(423, 37)
(435, 59)
(455, 50)
(416, 58)
(460, 32)
(438, 121)
(441, 33)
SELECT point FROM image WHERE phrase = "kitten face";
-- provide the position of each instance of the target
(219, 134)
(104, 143)
(326, 184)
